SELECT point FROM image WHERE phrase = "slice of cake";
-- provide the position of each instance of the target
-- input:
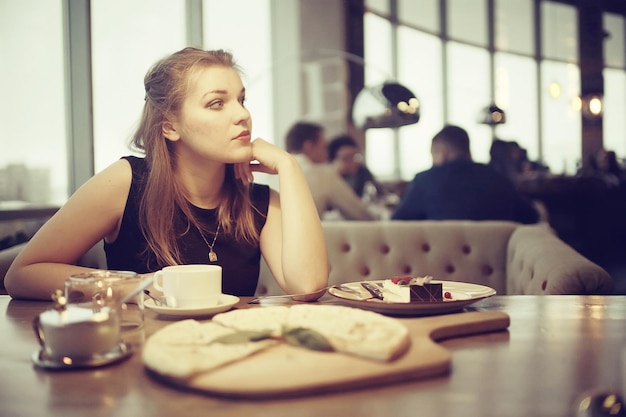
(426, 293)
(412, 290)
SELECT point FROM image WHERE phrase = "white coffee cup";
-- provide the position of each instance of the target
(190, 286)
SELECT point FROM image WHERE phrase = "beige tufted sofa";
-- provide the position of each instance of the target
(509, 257)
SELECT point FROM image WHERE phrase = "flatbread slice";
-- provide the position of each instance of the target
(272, 319)
(353, 331)
(349, 330)
(187, 348)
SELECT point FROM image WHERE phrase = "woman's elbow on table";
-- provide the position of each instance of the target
(314, 280)
(15, 286)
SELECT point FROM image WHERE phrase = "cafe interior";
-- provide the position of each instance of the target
(535, 321)
(547, 75)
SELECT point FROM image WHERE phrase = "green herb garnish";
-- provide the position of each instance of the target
(244, 336)
(307, 338)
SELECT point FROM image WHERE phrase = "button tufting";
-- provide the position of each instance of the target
(487, 270)
(384, 249)
(407, 270)
(450, 269)
(544, 285)
(345, 247)
(466, 249)
(365, 271)
(425, 247)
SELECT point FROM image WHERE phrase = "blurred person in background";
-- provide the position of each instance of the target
(457, 188)
(307, 142)
(604, 165)
(344, 154)
(511, 160)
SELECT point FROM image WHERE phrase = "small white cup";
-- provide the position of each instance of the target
(190, 286)
(77, 332)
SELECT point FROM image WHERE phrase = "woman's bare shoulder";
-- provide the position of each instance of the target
(114, 177)
(107, 189)
(119, 170)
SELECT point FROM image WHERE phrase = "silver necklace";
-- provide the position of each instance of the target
(212, 254)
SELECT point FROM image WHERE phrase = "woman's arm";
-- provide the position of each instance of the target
(292, 241)
(92, 213)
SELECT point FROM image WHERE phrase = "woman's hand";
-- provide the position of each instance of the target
(266, 158)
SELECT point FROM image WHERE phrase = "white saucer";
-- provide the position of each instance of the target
(226, 301)
(120, 352)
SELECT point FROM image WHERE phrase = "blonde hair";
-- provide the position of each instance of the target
(164, 198)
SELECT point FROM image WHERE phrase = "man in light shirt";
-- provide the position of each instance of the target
(306, 141)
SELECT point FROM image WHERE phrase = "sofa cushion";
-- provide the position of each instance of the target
(541, 263)
(506, 256)
(458, 251)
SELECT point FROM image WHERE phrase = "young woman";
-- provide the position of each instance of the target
(191, 199)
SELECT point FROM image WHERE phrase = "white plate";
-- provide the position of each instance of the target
(463, 294)
(226, 301)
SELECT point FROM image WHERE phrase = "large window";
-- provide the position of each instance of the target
(560, 88)
(124, 46)
(513, 76)
(516, 73)
(559, 28)
(457, 67)
(561, 122)
(614, 122)
(444, 55)
(468, 78)
(515, 26)
(381, 144)
(33, 160)
(425, 79)
(467, 21)
(423, 14)
(125, 40)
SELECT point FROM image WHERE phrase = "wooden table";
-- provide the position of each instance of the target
(556, 348)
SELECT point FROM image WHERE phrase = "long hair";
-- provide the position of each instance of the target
(164, 199)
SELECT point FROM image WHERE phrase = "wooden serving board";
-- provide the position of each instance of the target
(284, 370)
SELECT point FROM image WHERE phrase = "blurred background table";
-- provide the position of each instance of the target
(22, 210)
(19, 220)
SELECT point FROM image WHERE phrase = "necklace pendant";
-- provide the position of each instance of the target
(212, 256)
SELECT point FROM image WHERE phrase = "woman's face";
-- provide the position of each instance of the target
(213, 122)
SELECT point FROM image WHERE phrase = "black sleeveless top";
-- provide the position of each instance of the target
(240, 260)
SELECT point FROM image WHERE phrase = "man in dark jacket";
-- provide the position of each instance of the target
(458, 188)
